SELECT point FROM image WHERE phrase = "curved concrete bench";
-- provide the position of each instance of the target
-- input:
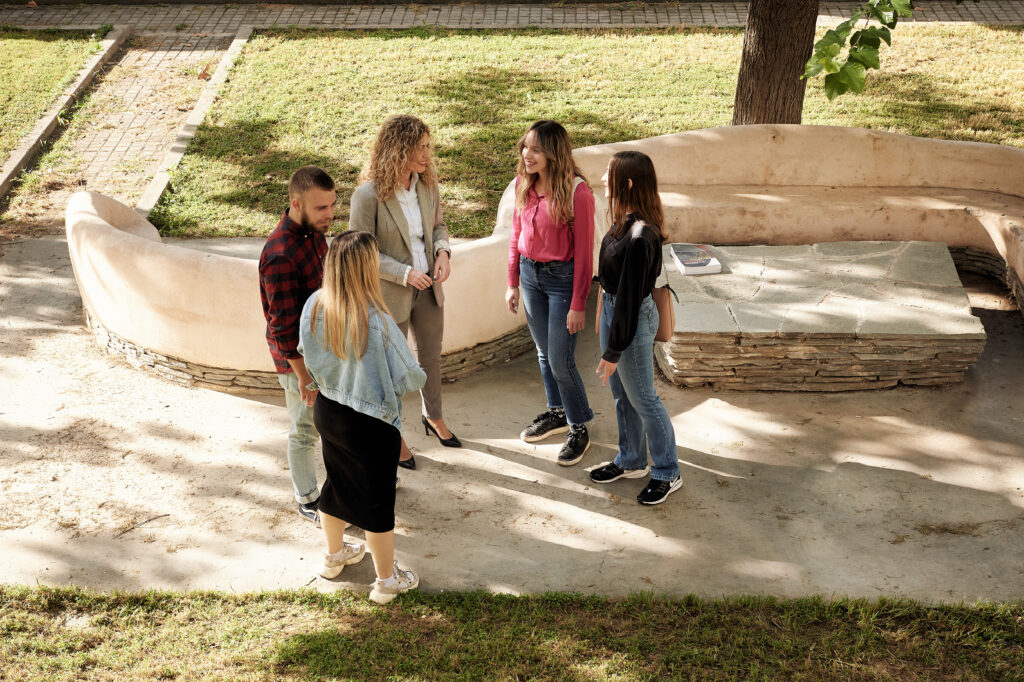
(196, 317)
(789, 184)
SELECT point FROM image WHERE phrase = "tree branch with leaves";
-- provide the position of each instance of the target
(849, 74)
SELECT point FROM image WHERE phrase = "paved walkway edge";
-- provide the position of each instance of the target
(158, 185)
(46, 129)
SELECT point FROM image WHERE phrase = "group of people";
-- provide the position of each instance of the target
(338, 317)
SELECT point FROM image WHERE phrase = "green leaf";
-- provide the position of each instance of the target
(830, 38)
(871, 37)
(852, 76)
(868, 56)
(844, 29)
(813, 67)
(884, 13)
(834, 86)
(827, 57)
(903, 7)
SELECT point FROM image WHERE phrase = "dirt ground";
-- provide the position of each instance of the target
(114, 478)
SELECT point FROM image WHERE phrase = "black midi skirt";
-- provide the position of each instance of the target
(361, 457)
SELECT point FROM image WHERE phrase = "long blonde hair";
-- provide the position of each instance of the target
(562, 170)
(351, 285)
(395, 141)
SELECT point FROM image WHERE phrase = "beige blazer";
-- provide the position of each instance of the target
(385, 221)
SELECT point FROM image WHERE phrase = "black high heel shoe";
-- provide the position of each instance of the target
(452, 442)
(408, 463)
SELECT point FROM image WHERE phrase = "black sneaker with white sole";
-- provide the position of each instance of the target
(547, 424)
(657, 491)
(307, 510)
(613, 472)
(576, 445)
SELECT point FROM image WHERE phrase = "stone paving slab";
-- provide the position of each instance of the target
(228, 18)
(831, 316)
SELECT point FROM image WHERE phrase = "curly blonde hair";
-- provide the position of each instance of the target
(395, 142)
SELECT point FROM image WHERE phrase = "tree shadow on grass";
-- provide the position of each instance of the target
(492, 108)
(260, 181)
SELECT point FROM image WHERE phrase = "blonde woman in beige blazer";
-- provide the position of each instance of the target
(399, 203)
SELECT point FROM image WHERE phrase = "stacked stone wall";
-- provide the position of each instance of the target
(459, 364)
(813, 362)
(454, 366)
(969, 259)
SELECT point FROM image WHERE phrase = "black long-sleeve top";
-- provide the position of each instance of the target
(628, 267)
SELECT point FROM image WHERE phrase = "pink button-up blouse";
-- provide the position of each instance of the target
(539, 237)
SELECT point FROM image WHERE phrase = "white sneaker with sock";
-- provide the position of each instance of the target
(350, 553)
(387, 589)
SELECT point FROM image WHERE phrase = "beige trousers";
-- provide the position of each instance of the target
(427, 322)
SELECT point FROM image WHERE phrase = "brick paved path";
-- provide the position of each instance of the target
(145, 96)
(211, 18)
(128, 123)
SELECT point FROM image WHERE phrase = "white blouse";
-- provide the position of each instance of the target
(410, 204)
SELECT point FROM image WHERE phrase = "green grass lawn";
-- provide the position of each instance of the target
(299, 96)
(35, 67)
(70, 634)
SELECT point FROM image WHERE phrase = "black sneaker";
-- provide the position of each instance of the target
(576, 445)
(547, 424)
(307, 510)
(613, 472)
(657, 491)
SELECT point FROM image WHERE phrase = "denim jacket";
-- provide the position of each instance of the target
(372, 384)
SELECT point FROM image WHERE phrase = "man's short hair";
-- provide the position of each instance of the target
(306, 178)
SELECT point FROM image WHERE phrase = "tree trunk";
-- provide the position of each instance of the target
(778, 42)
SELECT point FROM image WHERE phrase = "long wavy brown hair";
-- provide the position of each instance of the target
(395, 141)
(562, 169)
(633, 188)
(351, 285)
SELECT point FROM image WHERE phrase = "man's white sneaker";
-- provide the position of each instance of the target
(350, 553)
(401, 581)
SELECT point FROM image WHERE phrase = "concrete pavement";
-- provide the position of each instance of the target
(113, 478)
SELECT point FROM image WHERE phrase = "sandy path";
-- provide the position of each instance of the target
(113, 478)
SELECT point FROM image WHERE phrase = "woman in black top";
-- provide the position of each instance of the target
(629, 264)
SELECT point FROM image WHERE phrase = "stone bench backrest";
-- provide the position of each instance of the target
(790, 155)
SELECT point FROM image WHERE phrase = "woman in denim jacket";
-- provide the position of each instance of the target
(361, 365)
(551, 254)
(628, 265)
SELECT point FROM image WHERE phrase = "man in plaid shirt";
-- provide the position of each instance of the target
(291, 269)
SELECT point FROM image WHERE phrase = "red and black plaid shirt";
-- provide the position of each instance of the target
(291, 269)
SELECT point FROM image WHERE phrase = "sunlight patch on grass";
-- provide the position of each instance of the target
(35, 67)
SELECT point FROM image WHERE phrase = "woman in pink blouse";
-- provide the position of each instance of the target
(550, 256)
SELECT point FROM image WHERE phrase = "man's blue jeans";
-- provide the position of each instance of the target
(642, 418)
(302, 438)
(547, 293)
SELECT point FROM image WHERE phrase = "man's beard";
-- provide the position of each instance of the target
(309, 226)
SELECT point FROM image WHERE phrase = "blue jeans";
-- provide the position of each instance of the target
(302, 438)
(547, 293)
(642, 418)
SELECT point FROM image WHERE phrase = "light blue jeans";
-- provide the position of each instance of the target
(302, 438)
(547, 294)
(642, 418)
